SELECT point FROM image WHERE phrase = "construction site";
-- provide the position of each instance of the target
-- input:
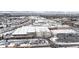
(39, 30)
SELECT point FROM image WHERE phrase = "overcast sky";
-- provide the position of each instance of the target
(39, 5)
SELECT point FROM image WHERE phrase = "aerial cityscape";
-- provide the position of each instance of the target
(28, 29)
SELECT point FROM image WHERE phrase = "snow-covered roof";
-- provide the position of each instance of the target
(24, 30)
(62, 25)
(36, 17)
(42, 29)
(30, 29)
(40, 20)
(63, 31)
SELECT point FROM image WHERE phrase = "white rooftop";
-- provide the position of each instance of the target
(63, 31)
(30, 29)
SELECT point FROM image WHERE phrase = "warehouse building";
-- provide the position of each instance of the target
(30, 31)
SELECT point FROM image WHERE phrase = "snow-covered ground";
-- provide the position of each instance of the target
(36, 25)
